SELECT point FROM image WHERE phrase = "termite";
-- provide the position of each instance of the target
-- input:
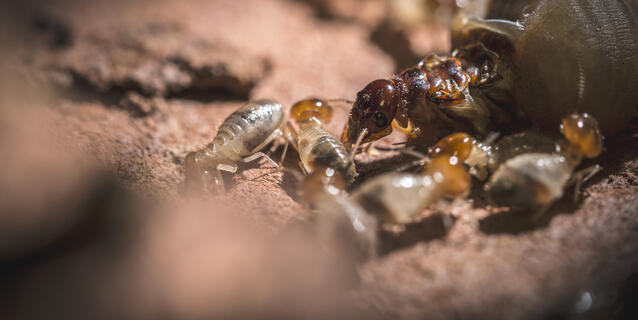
(328, 169)
(239, 139)
(516, 63)
(398, 197)
(317, 147)
(535, 179)
(339, 220)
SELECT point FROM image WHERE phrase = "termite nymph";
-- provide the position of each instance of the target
(239, 139)
(536, 180)
(339, 220)
(317, 147)
(398, 197)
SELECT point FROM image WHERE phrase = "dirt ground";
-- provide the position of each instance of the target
(102, 100)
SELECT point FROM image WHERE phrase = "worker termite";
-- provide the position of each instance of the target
(515, 63)
(317, 147)
(536, 180)
(329, 168)
(239, 138)
(398, 197)
(339, 220)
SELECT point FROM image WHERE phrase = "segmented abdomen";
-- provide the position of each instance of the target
(248, 128)
(318, 148)
(398, 197)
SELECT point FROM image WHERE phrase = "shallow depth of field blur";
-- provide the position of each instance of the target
(101, 100)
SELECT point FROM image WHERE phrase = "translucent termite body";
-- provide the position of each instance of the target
(239, 139)
(317, 147)
(399, 197)
(339, 220)
(537, 179)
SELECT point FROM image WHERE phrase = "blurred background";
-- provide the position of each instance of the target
(101, 100)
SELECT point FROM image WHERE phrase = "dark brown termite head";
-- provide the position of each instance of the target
(373, 110)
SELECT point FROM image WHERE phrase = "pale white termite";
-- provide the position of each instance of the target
(537, 179)
(316, 146)
(239, 139)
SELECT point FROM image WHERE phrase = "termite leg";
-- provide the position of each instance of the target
(302, 167)
(369, 150)
(423, 159)
(260, 155)
(210, 180)
(227, 168)
(275, 134)
(283, 154)
(581, 176)
(292, 135)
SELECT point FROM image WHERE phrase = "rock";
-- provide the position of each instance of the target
(161, 60)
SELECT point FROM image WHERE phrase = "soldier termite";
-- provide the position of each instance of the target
(516, 62)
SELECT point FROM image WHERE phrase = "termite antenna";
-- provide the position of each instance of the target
(343, 104)
(423, 160)
(403, 143)
(283, 154)
(346, 101)
(491, 138)
(298, 176)
(355, 147)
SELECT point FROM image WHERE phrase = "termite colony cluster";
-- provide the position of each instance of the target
(518, 72)
(530, 169)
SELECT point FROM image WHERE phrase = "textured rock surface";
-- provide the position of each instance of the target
(93, 220)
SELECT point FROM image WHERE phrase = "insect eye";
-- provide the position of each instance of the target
(380, 120)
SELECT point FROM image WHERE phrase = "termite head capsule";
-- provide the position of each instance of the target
(311, 110)
(373, 110)
(321, 180)
(458, 145)
(582, 131)
(450, 173)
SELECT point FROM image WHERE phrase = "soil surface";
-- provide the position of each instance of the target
(102, 100)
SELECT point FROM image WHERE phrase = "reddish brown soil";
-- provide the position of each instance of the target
(102, 100)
